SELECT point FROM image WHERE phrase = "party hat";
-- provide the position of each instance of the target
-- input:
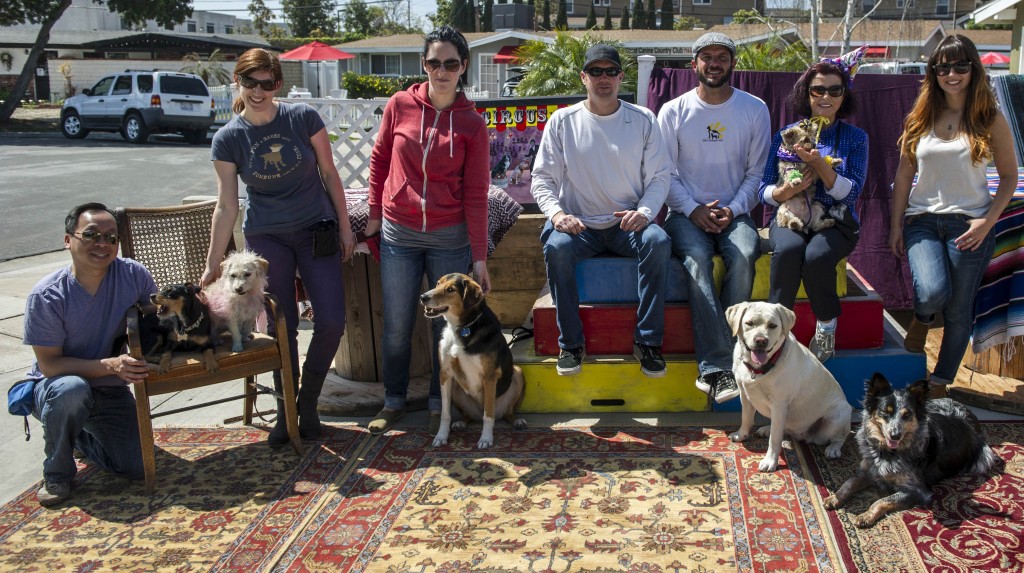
(849, 62)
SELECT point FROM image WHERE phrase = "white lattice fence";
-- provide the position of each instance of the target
(355, 122)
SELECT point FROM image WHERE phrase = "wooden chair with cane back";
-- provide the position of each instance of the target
(172, 242)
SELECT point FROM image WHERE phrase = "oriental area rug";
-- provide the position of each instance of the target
(565, 499)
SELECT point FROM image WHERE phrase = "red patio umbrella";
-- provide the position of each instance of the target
(316, 52)
(990, 58)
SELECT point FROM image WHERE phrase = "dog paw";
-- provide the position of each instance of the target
(738, 437)
(863, 521)
(458, 426)
(832, 502)
(768, 464)
(484, 443)
(519, 424)
(237, 347)
(440, 440)
(764, 431)
(833, 452)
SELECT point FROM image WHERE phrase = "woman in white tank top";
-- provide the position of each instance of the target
(943, 221)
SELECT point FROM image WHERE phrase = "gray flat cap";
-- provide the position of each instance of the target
(714, 39)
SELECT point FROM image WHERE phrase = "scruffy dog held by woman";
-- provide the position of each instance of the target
(236, 298)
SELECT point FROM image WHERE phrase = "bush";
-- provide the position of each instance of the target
(369, 87)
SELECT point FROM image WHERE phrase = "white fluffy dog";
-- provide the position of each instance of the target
(236, 298)
(782, 380)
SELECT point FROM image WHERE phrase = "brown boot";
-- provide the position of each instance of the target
(917, 335)
(937, 391)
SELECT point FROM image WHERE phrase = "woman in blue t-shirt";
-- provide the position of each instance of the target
(283, 155)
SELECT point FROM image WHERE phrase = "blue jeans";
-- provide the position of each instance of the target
(739, 247)
(401, 277)
(561, 253)
(321, 276)
(945, 279)
(100, 422)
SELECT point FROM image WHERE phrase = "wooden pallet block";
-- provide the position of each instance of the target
(608, 328)
(611, 279)
(607, 384)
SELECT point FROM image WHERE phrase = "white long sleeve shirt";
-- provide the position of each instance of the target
(716, 151)
(591, 166)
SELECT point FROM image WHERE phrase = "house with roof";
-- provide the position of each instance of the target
(1002, 12)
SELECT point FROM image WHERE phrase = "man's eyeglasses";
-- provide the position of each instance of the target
(96, 237)
(251, 83)
(449, 65)
(961, 67)
(834, 91)
(597, 72)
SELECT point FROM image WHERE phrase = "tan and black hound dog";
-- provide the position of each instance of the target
(476, 364)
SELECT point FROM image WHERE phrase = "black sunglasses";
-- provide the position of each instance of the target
(597, 72)
(820, 91)
(961, 67)
(449, 65)
(251, 83)
(91, 236)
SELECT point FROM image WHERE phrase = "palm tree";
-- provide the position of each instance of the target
(211, 71)
(773, 55)
(554, 69)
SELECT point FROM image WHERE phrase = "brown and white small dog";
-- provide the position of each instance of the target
(800, 211)
(477, 372)
(236, 298)
(782, 380)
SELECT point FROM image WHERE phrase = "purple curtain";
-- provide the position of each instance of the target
(882, 102)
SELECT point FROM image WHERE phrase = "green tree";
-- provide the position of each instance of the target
(591, 19)
(212, 72)
(607, 19)
(360, 18)
(773, 55)
(554, 69)
(261, 16)
(487, 20)
(746, 16)
(652, 16)
(45, 13)
(666, 14)
(639, 15)
(688, 23)
(305, 15)
(624, 19)
(546, 22)
(458, 14)
(442, 16)
(562, 21)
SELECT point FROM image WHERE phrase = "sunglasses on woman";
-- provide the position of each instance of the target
(961, 67)
(251, 83)
(91, 236)
(598, 72)
(833, 91)
(449, 65)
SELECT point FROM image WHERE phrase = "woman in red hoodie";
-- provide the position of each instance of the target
(428, 198)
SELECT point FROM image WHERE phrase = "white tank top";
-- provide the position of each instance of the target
(947, 181)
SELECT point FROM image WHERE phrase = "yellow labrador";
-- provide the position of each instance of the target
(782, 380)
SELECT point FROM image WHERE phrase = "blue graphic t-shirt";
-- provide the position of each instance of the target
(278, 167)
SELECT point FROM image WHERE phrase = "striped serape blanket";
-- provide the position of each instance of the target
(993, 182)
(999, 304)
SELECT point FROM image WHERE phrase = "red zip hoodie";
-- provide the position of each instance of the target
(430, 168)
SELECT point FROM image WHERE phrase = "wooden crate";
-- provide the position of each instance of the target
(517, 271)
(359, 354)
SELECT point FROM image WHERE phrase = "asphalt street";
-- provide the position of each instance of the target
(42, 176)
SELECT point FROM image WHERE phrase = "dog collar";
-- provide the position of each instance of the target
(193, 326)
(771, 361)
(466, 330)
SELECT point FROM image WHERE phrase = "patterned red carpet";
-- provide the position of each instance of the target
(568, 499)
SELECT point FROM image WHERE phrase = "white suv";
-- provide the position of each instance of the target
(136, 103)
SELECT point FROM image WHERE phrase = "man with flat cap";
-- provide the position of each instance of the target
(600, 177)
(717, 139)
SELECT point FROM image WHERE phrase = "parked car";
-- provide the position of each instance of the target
(136, 103)
(514, 75)
(892, 68)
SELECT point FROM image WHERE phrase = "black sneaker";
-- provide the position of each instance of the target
(570, 361)
(720, 385)
(651, 362)
(53, 493)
